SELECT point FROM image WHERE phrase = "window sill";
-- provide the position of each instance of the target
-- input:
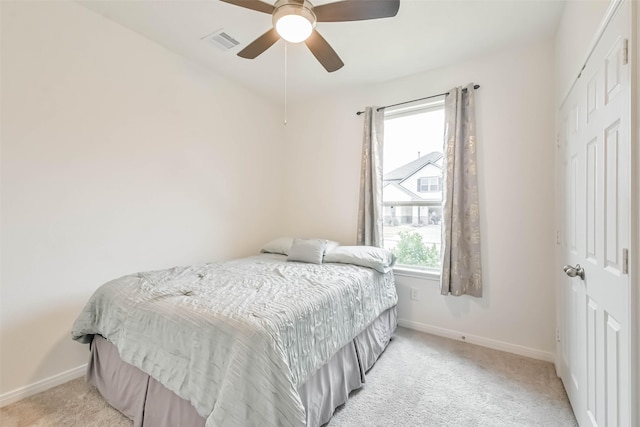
(416, 273)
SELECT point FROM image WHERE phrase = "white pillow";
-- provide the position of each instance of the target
(307, 250)
(281, 245)
(331, 245)
(379, 259)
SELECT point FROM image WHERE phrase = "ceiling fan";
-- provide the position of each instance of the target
(295, 21)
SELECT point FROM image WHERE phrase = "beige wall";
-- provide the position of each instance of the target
(516, 140)
(117, 156)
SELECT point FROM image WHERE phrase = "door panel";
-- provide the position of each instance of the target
(612, 371)
(592, 208)
(592, 349)
(612, 247)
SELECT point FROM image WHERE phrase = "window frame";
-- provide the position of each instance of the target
(417, 273)
(409, 110)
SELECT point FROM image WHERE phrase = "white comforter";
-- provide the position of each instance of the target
(237, 338)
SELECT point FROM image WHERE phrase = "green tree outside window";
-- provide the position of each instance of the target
(411, 250)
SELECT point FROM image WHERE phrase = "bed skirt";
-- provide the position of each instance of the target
(148, 403)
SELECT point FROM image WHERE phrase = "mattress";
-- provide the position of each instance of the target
(237, 339)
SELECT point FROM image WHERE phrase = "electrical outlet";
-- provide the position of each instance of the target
(414, 294)
(558, 335)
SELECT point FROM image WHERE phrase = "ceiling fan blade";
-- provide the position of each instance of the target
(356, 10)
(252, 4)
(260, 44)
(323, 52)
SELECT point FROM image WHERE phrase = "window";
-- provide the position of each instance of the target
(428, 184)
(412, 184)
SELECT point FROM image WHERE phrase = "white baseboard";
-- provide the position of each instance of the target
(481, 341)
(42, 385)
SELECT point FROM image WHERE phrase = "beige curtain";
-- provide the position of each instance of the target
(461, 267)
(370, 208)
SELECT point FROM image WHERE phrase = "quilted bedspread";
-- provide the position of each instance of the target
(237, 338)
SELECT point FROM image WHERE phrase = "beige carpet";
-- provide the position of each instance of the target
(420, 380)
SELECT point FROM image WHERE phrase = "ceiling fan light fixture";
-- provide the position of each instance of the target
(294, 22)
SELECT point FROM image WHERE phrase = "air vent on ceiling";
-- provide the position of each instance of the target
(222, 40)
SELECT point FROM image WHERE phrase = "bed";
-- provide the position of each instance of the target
(257, 341)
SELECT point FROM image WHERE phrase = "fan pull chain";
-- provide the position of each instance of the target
(285, 82)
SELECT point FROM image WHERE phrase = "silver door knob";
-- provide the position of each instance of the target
(574, 271)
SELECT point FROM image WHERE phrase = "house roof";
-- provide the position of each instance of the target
(411, 194)
(412, 167)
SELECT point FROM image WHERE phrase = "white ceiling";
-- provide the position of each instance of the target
(426, 34)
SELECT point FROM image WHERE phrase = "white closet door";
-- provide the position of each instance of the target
(595, 351)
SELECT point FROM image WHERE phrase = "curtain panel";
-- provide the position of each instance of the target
(370, 206)
(461, 271)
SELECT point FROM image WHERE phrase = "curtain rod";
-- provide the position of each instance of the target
(414, 100)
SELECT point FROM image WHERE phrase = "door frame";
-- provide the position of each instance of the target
(634, 261)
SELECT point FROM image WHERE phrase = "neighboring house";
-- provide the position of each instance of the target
(417, 181)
